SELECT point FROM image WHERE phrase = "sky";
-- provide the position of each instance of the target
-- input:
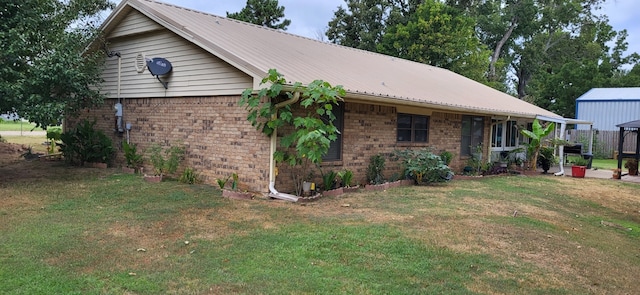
(309, 18)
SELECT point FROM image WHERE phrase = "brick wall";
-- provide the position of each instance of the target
(214, 130)
(371, 129)
(219, 141)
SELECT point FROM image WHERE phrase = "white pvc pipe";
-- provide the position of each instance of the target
(272, 162)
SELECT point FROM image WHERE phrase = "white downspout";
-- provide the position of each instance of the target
(272, 162)
(563, 127)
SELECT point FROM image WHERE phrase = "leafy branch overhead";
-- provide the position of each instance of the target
(311, 119)
(46, 70)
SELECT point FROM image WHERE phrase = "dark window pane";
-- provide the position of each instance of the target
(472, 134)
(413, 128)
(404, 121)
(420, 123)
(404, 135)
(421, 136)
(335, 147)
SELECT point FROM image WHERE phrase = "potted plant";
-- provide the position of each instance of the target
(546, 158)
(133, 159)
(233, 193)
(164, 161)
(632, 165)
(579, 167)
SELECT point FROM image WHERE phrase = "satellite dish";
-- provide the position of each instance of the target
(159, 66)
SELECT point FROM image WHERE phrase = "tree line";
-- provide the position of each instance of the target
(548, 52)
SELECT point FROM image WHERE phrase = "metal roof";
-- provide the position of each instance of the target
(608, 94)
(632, 124)
(365, 75)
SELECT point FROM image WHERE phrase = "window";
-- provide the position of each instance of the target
(496, 134)
(472, 134)
(335, 147)
(413, 128)
(525, 139)
(512, 134)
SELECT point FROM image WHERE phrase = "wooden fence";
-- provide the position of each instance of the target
(605, 143)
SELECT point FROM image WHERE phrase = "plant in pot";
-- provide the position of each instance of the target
(579, 167)
(546, 158)
(164, 161)
(133, 159)
(234, 192)
(632, 165)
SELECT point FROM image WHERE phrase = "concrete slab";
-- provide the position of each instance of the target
(596, 173)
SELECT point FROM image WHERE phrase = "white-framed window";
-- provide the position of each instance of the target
(505, 134)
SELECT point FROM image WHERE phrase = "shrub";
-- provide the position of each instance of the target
(546, 158)
(375, 169)
(86, 144)
(167, 163)
(189, 176)
(423, 166)
(329, 180)
(346, 177)
(446, 157)
(134, 160)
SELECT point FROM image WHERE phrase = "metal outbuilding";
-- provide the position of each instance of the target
(607, 107)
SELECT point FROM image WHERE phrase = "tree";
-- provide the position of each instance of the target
(439, 35)
(536, 135)
(363, 23)
(313, 131)
(577, 63)
(264, 13)
(45, 70)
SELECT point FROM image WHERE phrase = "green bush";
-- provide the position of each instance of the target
(86, 144)
(54, 133)
(346, 177)
(375, 169)
(446, 157)
(329, 180)
(165, 161)
(190, 176)
(134, 160)
(423, 166)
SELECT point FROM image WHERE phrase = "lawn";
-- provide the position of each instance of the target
(18, 126)
(90, 231)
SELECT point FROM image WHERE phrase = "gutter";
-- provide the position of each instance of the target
(272, 162)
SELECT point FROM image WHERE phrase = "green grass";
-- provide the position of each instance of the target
(83, 231)
(607, 164)
(18, 126)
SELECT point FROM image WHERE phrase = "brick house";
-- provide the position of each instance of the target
(390, 104)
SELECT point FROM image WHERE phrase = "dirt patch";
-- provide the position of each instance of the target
(10, 153)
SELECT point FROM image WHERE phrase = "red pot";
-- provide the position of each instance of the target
(578, 171)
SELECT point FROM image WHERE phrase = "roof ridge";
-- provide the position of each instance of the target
(290, 34)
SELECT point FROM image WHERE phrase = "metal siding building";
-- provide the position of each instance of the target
(608, 107)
